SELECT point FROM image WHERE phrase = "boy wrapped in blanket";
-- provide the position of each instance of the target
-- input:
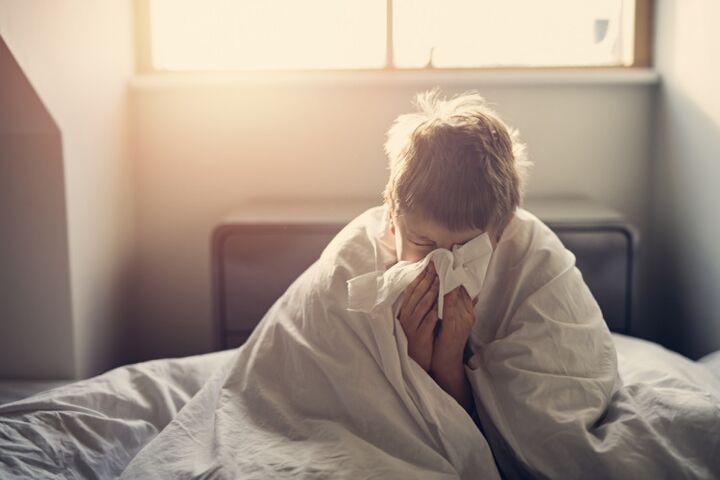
(444, 334)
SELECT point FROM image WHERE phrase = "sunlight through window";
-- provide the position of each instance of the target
(193, 35)
(490, 33)
(267, 34)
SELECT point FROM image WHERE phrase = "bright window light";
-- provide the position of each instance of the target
(194, 35)
(501, 33)
(267, 34)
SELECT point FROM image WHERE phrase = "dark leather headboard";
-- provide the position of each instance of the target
(255, 261)
(605, 257)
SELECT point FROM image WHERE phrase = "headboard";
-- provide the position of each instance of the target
(262, 248)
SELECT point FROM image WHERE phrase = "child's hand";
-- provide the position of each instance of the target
(458, 319)
(418, 315)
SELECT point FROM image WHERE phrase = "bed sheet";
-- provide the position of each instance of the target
(94, 427)
(644, 361)
(712, 362)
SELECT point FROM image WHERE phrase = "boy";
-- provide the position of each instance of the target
(456, 171)
(333, 382)
(542, 369)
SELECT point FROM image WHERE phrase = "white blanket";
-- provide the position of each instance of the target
(321, 392)
(94, 427)
(546, 382)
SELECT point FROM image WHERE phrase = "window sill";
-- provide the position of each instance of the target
(525, 77)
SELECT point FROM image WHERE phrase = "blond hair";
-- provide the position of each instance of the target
(456, 162)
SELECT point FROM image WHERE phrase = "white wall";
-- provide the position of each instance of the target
(34, 261)
(685, 169)
(78, 56)
(203, 146)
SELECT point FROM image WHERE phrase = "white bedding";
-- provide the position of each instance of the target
(77, 431)
(93, 428)
(319, 391)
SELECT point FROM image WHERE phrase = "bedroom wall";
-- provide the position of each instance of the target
(685, 169)
(203, 145)
(78, 55)
(33, 239)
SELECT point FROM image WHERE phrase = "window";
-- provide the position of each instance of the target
(267, 34)
(222, 35)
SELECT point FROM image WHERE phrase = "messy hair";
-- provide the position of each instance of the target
(454, 161)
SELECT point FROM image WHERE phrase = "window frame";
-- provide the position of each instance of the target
(642, 55)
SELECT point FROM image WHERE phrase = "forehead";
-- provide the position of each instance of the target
(423, 228)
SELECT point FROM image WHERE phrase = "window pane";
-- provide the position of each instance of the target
(482, 33)
(267, 34)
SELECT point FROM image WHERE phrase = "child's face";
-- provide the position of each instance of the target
(416, 236)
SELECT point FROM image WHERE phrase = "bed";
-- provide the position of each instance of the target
(94, 428)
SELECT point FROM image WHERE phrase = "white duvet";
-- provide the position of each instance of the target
(550, 396)
(93, 428)
(322, 392)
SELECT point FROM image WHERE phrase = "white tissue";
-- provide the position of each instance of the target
(465, 265)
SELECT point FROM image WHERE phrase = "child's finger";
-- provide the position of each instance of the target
(449, 307)
(420, 290)
(426, 301)
(463, 297)
(407, 307)
(454, 296)
(450, 296)
(427, 325)
(469, 307)
(464, 303)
